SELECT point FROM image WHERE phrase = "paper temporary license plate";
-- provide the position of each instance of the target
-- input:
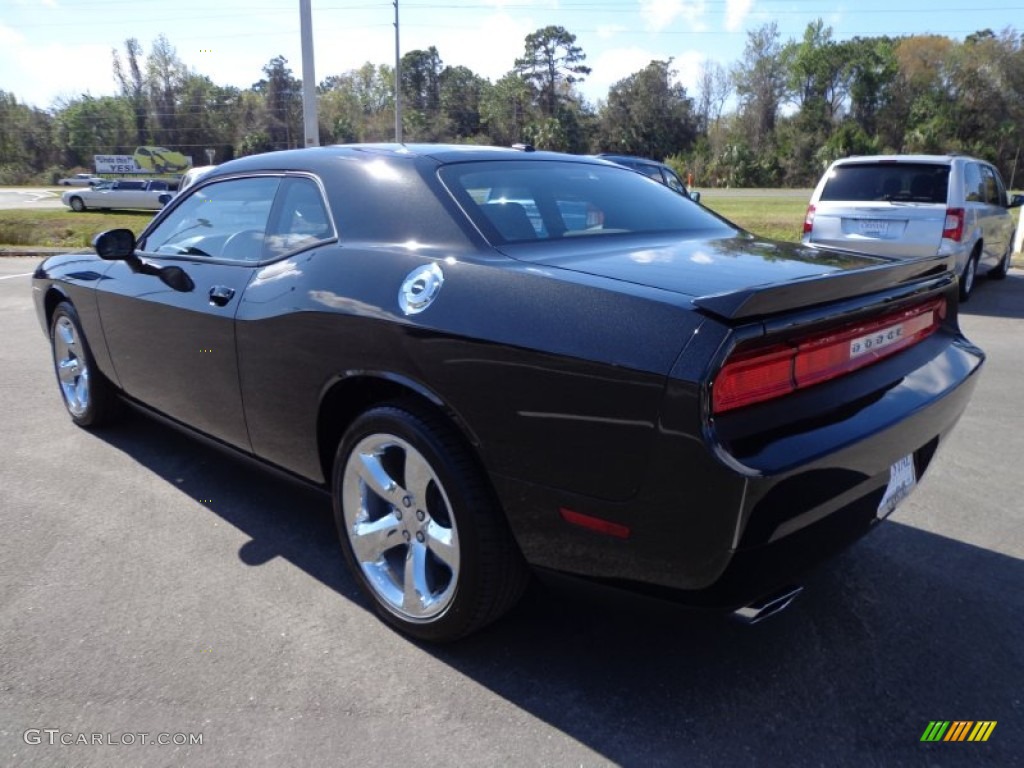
(875, 227)
(902, 481)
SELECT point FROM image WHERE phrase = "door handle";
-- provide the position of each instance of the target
(221, 295)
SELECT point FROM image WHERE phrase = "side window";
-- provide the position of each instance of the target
(223, 220)
(994, 194)
(649, 170)
(300, 218)
(673, 181)
(973, 191)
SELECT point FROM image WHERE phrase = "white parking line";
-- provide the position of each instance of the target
(9, 277)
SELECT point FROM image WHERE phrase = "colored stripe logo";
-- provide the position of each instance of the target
(958, 730)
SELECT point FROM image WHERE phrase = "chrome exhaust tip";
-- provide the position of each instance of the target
(761, 609)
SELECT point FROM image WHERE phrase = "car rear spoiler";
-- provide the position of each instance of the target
(806, 292)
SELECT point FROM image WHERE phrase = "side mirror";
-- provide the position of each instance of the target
(115, 244)
(695, 196)
(1016, 201)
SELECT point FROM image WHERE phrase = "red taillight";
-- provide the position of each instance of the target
(953, 227)
(809, 220)
(754, 376)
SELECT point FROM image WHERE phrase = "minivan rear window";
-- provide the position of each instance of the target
(892, 182)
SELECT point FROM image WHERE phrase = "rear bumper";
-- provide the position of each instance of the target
(716, 531)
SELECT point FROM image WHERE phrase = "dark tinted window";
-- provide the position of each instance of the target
(993, 194)
(974, 192)
(535, 200)
(301, 218)
(893, 182)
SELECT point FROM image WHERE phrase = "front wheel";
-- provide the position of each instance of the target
(88, 396)
(419, 526)
(77, 204)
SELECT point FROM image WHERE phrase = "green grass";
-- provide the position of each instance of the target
(778, 218)
(65, 229)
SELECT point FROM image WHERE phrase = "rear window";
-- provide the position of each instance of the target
(892, 182)
(536, 200)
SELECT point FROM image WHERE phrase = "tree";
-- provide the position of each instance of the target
(26, 141)
(506, 109)
(461, 92)
(421, 80)
(165, 73)
(95, 126)
(760, 80)
(358, 105)
(421, 95)
(646, 114)
(133, 86)
(873, 69)
(282, 94)
(713, 89)
(553, 63)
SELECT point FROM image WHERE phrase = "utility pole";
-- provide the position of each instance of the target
(311, 123)
(398, 83)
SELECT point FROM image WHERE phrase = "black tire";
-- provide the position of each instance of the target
(969, 276)
(89, 398)
(437, 560)
(76, 204)
(998, 272)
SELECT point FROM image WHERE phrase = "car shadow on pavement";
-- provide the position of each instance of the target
(905, 628)
(998, 298)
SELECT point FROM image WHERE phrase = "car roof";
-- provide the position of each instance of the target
(902, 159)
(316, 158)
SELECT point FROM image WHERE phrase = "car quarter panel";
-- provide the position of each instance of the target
(554, 381)
(737, 505)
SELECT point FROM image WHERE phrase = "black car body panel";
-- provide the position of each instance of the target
(580, 371)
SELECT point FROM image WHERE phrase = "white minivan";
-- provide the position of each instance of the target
(914, 206)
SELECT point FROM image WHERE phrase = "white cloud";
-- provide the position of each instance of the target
(687, 65)
(10, 36)
(613, 65)
(40, 74)
(608, 31)
(659, 14)
(736, 12)
(490, 48)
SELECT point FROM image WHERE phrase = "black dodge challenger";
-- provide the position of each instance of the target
(495, 359)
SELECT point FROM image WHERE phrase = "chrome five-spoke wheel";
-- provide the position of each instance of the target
(399, 522)
(88, 396)
(420, 526)
(71, 365)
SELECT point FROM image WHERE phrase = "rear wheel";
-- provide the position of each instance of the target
(77, 204)
(419, 526)
(970, 274)
(88, 396)
(998, 272)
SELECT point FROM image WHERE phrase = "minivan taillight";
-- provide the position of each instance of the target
(809, 220)
(764, 373)
(953, 227)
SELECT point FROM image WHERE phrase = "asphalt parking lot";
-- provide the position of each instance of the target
(151, 585)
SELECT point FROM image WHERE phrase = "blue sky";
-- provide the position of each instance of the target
(52, 49)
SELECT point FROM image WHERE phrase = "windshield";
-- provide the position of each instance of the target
(535, 200)
(887, 181)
